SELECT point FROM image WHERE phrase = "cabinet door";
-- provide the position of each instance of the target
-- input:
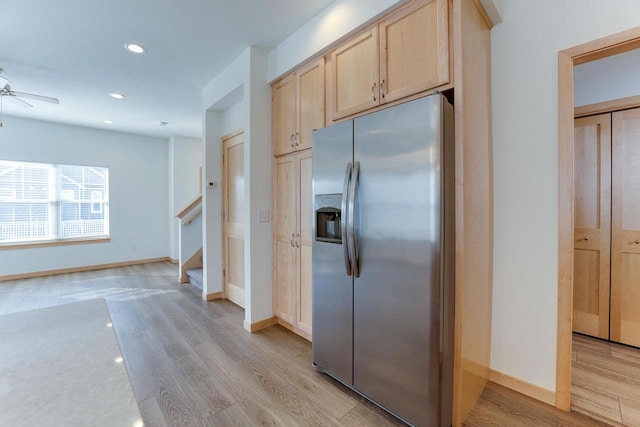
(284, 115)
(284, 207)
(414, 49)
(592, 201)
(625, 228)
(310, 83)
(354, 75)
(305, 218)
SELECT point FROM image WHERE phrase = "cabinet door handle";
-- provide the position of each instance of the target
(292, 245)
(381, 89)
(291, 141)
(297, 240)
(296, 139)
(373, 91)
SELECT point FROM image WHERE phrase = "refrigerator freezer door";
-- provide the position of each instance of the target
(398, 232)
(332, 287)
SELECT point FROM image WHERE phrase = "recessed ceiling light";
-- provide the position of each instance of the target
(116, 95)
(164, 123)
(109, 122)
(135, 48)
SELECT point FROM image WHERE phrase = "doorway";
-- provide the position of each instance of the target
(567, 60)
(233, 217)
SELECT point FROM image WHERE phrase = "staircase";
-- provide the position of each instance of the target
(195, 276)
(190, 249)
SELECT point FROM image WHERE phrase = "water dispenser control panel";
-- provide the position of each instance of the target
(328, 218)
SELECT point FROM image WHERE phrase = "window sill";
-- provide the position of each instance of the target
(47, 243)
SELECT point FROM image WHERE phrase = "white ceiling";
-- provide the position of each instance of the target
(74, 50)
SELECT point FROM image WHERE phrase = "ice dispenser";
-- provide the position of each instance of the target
(328, 218)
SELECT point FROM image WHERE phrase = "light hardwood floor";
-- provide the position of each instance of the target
(605, 381)
(191, 363)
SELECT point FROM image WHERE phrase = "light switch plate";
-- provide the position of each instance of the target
(263, 215)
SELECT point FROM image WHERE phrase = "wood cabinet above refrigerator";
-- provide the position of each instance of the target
(405, 53)
(298, 108)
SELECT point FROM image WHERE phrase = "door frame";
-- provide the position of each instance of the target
(567, 60)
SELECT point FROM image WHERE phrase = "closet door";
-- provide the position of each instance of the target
(625, 228)
(592, 201)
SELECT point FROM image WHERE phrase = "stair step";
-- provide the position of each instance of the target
(196, 277)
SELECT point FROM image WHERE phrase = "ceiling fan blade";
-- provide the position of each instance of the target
(37, 97)
(3, 82)
(20, 102)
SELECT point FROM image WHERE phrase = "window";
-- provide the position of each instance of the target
(42, 202)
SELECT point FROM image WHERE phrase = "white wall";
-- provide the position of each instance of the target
(240, 97)
(233, 118)
(337, 20)
(525, 128)
(212, 205)
(257, 159)
(138, 196)
(609, 78)
(185, 160)
(226, 90)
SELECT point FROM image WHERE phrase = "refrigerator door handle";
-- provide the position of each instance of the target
(353, 241)
(343, 225)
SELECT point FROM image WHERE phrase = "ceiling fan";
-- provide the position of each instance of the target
(5, 90)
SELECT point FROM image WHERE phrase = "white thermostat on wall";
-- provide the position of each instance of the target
(263, 215)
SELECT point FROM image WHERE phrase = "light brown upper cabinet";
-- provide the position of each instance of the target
(406, 53)
(592, 222)
(292, 241)
(298, 108)
(283, 111)
(354, 74)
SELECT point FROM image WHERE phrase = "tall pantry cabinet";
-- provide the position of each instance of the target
(297, 109)
(292, 241)
(607, 226)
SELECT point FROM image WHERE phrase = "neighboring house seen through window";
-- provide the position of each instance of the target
(44, 202)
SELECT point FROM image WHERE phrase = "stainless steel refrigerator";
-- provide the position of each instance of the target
(383, 257)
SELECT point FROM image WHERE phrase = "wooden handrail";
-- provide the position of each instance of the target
(193, 216)
(189, 207)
